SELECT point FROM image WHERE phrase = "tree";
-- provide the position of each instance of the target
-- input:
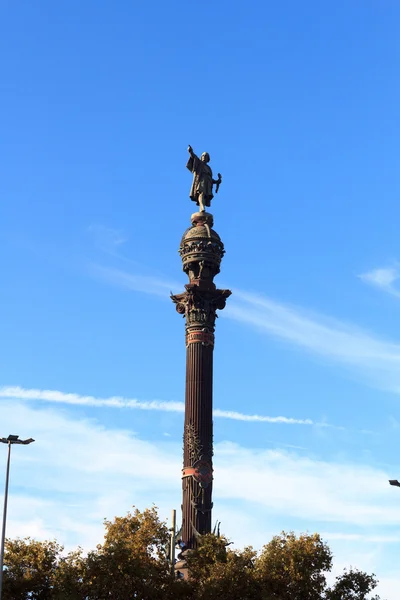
(353, 585)
(36, 570)
(69, 577)
(131, 564)
(132, 561)
(293, 568)
(217, 572)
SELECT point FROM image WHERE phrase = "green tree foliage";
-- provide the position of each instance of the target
(131, 564)
(290, 567)
(69, 577)
(353, 585)
(38, 571)
(217, 572)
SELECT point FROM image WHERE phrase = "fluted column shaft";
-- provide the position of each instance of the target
(197, 448)
(201, 251)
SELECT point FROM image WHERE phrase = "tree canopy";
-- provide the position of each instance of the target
(132, 563)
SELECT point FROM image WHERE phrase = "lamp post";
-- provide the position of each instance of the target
(12, 439)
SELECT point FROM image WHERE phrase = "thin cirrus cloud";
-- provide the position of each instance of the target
(57, 397)
(375, 360)
(107, 238)
(81, 470)
(272, 481)
(133, 281)
(334, 339)
(383, 278)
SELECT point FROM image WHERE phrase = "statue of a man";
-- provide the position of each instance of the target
(201, 191)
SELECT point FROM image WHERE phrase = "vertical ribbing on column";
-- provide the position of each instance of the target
(201, 250)
(198, 419)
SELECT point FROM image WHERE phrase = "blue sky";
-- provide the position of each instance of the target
(297, 104)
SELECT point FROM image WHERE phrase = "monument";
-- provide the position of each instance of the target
(201, 251)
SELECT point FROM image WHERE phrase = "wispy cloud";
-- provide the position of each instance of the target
(107, 238)
(362, 537)
(118, 470)
(133, 281)
(58, 397)
(323, 335)
(236, 416)
(326, 491)
(373, 359)
(384, 278)
(80, 471)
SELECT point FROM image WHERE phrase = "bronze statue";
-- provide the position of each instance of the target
(201, 191)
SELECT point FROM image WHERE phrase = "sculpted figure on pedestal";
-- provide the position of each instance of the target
(201, 191)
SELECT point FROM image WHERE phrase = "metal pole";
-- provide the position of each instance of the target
(3, 532)
(172, 540)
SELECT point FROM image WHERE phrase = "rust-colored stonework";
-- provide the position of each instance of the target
(201, 251)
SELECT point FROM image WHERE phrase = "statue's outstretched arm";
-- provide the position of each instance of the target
(218, 180)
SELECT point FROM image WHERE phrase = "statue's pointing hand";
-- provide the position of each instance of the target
(190, 150)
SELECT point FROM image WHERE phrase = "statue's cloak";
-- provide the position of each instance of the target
(202, 180)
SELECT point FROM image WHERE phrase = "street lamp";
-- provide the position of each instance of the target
(12, 439)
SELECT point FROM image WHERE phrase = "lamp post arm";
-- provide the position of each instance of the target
(3, 530)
